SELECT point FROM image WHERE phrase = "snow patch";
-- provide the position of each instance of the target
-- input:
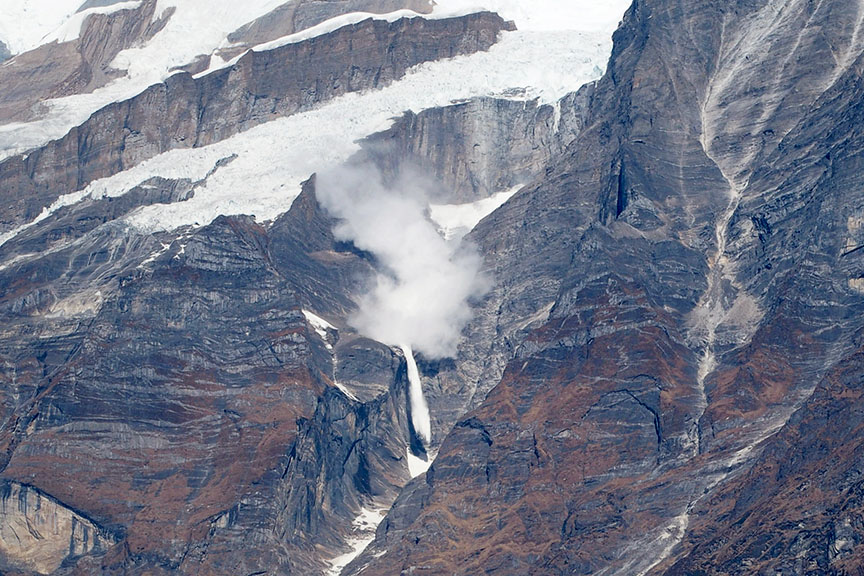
(417, 466)
(546, 15)
(24, 23)
(320, 326)
(363, 533)
(456, 220)
(345, 390)
(156, 254)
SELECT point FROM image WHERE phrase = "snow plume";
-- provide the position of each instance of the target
(419, 300)
(420, 416)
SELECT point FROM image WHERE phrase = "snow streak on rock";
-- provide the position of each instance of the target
(420, 417)
(364, 526)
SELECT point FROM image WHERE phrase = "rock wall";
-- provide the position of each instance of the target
(38, 533)
(683, 278)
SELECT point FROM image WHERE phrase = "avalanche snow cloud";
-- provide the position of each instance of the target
(420, 299)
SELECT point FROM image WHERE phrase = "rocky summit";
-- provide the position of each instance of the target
(396, 287)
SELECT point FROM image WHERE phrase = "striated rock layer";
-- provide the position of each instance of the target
(38, 532)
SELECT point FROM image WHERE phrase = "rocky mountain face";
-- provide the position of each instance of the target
(694, 251)
(662, 377)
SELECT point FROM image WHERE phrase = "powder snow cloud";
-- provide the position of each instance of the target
(420, 298)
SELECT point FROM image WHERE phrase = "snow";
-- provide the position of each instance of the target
(547, 15)
(364, 527)
(419, 408)
(456, 220)
(345, 391)
(71, 28)
(24, 23)
(416, 466)
(320, 326)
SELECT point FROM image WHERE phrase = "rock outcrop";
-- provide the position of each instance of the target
(39, 533)
(56, 69)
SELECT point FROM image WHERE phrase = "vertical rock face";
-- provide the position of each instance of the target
(477, 148)
(38, 533)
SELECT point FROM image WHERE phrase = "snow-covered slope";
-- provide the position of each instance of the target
(548, 15)
(271, 160)
(194, 28)
(25, 23)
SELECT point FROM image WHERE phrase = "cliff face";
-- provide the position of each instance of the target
(477, 148)
(38, 532)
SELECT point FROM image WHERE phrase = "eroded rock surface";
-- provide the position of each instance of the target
(39, 533)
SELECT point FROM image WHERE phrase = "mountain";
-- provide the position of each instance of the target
(390, 287)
